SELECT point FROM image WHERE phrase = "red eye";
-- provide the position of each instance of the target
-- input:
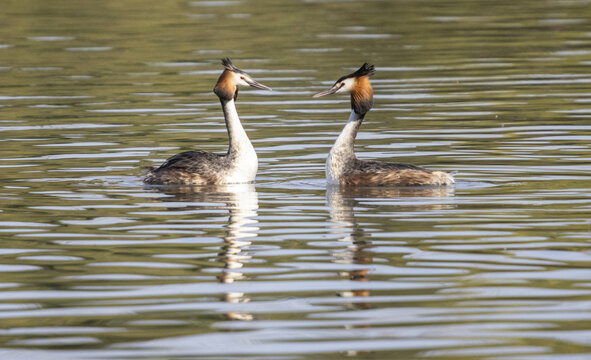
(242, 77)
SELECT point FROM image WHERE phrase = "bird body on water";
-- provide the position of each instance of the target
(344, 168)
(198, 167)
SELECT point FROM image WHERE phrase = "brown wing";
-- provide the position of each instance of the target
(195, 167)
(196, 161)
(377, 173)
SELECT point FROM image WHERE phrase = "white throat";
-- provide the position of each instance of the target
(342, 152)
(241, 152)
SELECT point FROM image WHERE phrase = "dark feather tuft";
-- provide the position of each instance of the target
(227, 63)
(365, 70)
(362, 107)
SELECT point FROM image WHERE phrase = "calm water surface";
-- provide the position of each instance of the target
(96, 266)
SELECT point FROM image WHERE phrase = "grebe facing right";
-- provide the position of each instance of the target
(343, 167)
(197, 167)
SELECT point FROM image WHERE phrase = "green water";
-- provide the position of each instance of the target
(96, 266)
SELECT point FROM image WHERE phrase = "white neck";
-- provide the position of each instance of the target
(343, 149)
(238, 139)
(240, 151)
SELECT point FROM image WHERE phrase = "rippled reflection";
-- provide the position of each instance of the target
(242, 225)
(358, 249)
(241, 201)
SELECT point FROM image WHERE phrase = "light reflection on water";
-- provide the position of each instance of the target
(96, 265)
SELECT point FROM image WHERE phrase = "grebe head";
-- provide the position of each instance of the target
(232, 77)
(357, 84)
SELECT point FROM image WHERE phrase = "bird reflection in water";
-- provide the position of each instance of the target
(241, 200)
(358, 254)
(242, 225)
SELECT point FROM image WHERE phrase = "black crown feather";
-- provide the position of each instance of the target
(365, 70)
(227, 63)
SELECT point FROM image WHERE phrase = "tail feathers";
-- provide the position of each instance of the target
(441, 178)
(148, 173)
(148, 170)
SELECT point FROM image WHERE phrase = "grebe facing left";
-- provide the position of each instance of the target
(197, 167)
(343, 167)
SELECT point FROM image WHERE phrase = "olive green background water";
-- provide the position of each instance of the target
(96, 266)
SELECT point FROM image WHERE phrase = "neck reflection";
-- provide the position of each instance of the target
(242, 203)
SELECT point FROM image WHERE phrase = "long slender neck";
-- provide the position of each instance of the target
(361, 103)
(239, 141)
(342, 152)
(344, 145)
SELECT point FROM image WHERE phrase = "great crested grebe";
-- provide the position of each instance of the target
(343, 167)
(197, 167)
